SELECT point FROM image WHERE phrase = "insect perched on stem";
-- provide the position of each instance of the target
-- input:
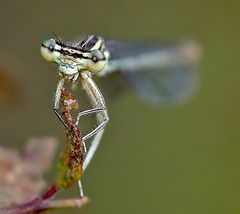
(160, 73)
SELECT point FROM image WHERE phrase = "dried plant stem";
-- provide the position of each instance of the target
(65, 203)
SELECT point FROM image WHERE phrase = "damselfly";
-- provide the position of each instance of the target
(160, 73)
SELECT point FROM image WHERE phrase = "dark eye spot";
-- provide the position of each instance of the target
(97, 55)
(51, 48)
(95, 59)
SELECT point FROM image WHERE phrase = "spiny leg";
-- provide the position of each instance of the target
(99, 127)
(83, 113)
(96, 130)
(99, 108)
(89, 111)
(94, 145)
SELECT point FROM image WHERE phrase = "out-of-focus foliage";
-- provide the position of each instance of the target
(21, 173)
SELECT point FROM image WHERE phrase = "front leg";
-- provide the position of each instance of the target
(57, 98)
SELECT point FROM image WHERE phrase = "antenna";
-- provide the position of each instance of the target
(57, 37)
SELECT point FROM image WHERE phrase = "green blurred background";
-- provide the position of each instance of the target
(180, 159)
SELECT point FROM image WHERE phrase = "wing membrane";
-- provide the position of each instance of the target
(161, 74)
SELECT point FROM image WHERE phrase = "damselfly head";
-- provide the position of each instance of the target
(49, 51)
(73, 59)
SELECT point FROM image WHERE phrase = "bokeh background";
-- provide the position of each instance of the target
(178, 159)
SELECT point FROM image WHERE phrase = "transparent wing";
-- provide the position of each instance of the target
(169, 85)
(161, 74)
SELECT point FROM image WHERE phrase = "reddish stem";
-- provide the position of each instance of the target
(31, 206)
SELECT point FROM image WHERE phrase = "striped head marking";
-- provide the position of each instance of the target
(87, 55)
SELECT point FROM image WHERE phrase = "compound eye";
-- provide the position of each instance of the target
(50, 44)
(96, 61)
(47, 50)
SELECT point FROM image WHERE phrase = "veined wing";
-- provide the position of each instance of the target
(161, 74)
